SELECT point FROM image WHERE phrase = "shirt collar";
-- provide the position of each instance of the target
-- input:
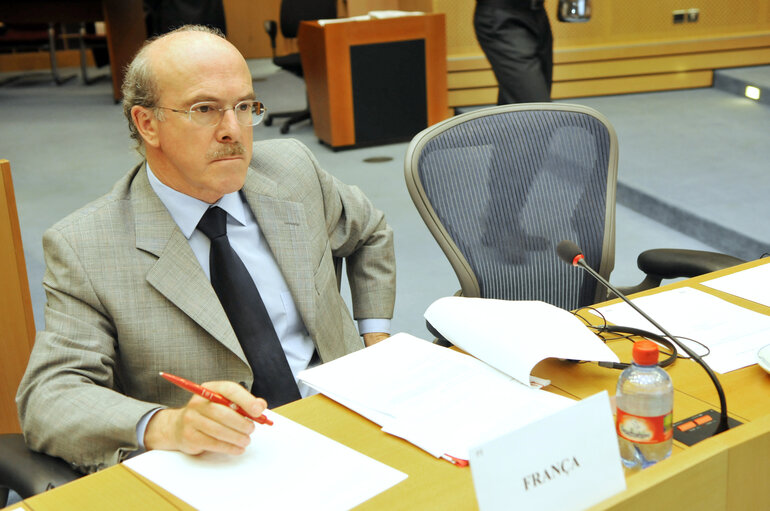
(187, 211)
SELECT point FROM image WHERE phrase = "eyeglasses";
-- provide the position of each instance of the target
(209, 113)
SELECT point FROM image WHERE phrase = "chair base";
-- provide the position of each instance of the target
(293, 118)
(37, 77)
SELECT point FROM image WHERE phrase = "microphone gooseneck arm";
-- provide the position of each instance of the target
(571, 254)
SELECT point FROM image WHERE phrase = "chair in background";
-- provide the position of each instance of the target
(20, 37)
(24, 471)
(500, 187)
(89, 39)
(292, 13)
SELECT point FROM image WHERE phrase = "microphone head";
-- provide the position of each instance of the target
(568, 251)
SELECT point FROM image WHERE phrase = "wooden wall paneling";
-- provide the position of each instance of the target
(591, 54)
(425, 6)
(17, 326)
(662, 64)
(359, 7)
(632, 84)
(461, 39)
(245, 28)
(622, 40)
(595, 87)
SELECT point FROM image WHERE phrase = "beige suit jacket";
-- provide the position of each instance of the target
(127, 298)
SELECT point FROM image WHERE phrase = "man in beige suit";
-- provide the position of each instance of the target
(127, 278)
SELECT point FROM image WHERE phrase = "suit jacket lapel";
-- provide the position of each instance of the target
(284, 226)
(177, 275)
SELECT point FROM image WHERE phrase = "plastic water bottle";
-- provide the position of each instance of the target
(644, 399)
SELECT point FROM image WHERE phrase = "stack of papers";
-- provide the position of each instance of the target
(752, 284)
(445, 402)
(438, 399)
(282, 459)
(372, 15)
(730, 334)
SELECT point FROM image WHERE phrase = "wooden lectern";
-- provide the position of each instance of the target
(374, 81)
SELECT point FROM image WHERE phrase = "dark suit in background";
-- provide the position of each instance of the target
(165, 15)
(516, 38)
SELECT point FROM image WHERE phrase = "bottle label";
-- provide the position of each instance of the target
(644, 430)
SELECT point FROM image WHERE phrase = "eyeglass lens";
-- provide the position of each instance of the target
(248, 113)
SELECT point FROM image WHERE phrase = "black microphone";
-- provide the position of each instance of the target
(570, 253)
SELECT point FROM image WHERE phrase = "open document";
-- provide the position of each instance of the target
(513, 336)
(728, 336)
(438, 399)
(281, 459)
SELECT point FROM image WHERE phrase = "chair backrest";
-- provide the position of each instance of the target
(500, 187)
(294, 11)
(17, 326)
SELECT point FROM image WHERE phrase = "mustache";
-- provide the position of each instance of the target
(226, 150)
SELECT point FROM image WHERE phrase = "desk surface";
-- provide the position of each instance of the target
(717, 473)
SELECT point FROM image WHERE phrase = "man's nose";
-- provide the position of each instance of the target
(228, 127)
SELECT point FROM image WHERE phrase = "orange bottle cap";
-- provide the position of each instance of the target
(645, 352)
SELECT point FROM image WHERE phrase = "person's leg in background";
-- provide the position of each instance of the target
(518, 43)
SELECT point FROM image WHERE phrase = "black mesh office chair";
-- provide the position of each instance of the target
(292, 13)
(499, 188)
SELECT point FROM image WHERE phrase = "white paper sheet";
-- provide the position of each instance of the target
(752, 284)
(514, 336)
(287, 466)
(438, 399)
(732, 334)
(372, 15)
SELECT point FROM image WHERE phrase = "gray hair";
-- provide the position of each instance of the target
(139, 85)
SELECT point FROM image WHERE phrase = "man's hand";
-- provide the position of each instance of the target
(374, 338)
(205, 426)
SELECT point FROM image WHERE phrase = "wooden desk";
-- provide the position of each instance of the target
(124, 20)
(726, 472)
(374, 81)
(17, 326)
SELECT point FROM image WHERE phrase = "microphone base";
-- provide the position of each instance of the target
(699, 427)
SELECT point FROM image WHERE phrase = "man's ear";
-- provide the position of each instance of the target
(146, 123)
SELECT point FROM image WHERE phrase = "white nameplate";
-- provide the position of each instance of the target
(568, 460)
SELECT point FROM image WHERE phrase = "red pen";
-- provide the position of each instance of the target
(212, 396)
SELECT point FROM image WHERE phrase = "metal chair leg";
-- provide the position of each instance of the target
(52, 53)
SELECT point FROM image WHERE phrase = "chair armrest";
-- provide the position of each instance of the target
(28, 472)
(669, 263)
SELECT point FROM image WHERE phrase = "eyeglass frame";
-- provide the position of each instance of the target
(221, 111)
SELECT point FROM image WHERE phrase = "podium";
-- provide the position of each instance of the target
(375, 81)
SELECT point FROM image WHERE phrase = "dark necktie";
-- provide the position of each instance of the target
(240, 299)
